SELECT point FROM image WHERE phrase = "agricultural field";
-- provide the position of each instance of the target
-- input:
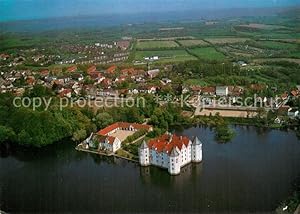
(255, 26)
(191, 43)
(208, 53)
(247, 51)
(277, 45)
(144, 45)
(165, 55)
(231, 40)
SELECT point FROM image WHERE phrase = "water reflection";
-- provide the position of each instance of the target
(161, 177)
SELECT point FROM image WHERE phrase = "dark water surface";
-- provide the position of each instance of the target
(255, 172)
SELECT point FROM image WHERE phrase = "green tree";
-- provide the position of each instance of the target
(6, 134)
(79, 135)
(103, 119)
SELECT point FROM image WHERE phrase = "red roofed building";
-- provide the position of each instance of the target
(106, 83)
(128, 71)
(209, 90)
(123, 126)
(171, 152)
(44, 73)
(30, 80)
(66, 93)
(295, 93)
(95, 75)
(91, 69)
(72, 69)
(4, 56)
(106, 139)
(111, 69)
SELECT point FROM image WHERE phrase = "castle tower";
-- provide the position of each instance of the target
(144, 154)
(196, 150)
(174, 165)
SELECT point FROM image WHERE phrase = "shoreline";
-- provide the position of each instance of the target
(77, 148)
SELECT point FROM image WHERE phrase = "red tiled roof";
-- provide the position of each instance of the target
(208, 89)
(166, 143)
(106, 82)
(95, 74)
(111, 140)
(72, 68)
(44, 72)
(3, 56)
(128, 71)
(196, 88)
(65, 92)
(91, 69)
(123, 125)
(30, 80)
(111, 69)
(295, 93)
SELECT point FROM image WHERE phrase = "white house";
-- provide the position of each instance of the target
(293, 113)
(104, 143)
(170, 152)
(111, 144)
(222, 90)
(153, 73)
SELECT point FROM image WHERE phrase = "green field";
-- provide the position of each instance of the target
(195, 82)
(208, 53)
(165, 55)
(191, 43)
(226, 40)
(143, 45)
(295, 54)
(276, 45)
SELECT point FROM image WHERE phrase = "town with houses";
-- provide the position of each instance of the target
(118, 81)
(105, 71)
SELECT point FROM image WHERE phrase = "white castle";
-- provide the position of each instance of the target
(171, 152)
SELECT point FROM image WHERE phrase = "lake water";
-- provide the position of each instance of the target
(254, 172)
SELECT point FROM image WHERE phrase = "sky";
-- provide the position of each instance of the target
(11, 10)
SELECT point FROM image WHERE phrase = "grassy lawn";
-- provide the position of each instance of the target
(195, 82)
(156, 44)
(208, 53)
(123, 153)
(165, 55)
(191, 43)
